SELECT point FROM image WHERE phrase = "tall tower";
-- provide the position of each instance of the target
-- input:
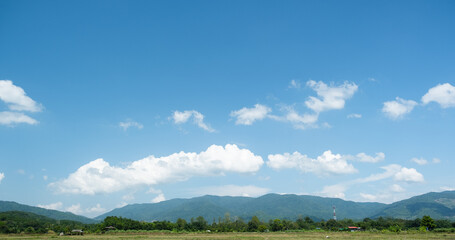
(334, 214)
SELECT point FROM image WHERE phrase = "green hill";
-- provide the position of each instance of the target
(437, 205)
(6, 206)
(267, 207)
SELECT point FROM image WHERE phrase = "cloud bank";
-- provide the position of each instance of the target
(99, 176)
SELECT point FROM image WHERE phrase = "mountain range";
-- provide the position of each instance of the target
(6, 206)
(438, 205)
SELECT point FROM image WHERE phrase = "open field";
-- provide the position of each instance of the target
(232, 236)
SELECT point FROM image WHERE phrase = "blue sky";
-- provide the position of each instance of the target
(107, 103)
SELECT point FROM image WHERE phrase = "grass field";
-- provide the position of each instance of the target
(246, 236)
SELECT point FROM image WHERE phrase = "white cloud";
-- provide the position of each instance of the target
(294, 84)
(299, 121)
(10, 118)
(336, 191)
(354, 115)
(396, 188)
(393, 171)
(198, 119)
(446, 188)
(436, 160)
(246, 116)
(130, 123)
(2, 176)
(368, 197)
(420, 161)
(329, 97)
(75, 208)
(53, 206)
(128, 197)
(362, 157)
(398, 108)
(409, 175)
(233, 190)
(16, 98)
(45, 177)
(443, 94)
(99, 176)
(96, 209)
(159, 198)
(324, 165)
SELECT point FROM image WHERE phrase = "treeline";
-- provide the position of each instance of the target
(255, 225)
(22, 222)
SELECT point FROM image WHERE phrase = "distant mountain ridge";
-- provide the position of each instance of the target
(437, 205)
(266, 207)
(6, 206)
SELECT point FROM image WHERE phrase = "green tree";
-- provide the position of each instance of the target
(253, 225)
(428, 222)
(181, 224)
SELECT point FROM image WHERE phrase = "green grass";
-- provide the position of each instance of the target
(245, 236)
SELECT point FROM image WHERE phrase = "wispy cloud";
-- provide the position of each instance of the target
(233, 190)
(17, 102)
(354, 115)
(198, 119)
(294, 84)
(2, 176)
(130, 123)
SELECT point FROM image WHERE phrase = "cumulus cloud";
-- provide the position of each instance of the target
(329, 97)
(99, 176)
(409, 175)
(233, 190)
(52, 206)
(2, 176)
(324, 165)
(17, 101)
(354, 115)
(130, 123)
(159, 198)
(398, 108)
(247, 116)
(294, 84)
(198, 119)
(443, 94)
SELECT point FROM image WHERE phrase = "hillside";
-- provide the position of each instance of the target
(6, 206)
(437, 205)
(267, 207)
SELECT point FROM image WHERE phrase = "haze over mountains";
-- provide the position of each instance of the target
(438, 205)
